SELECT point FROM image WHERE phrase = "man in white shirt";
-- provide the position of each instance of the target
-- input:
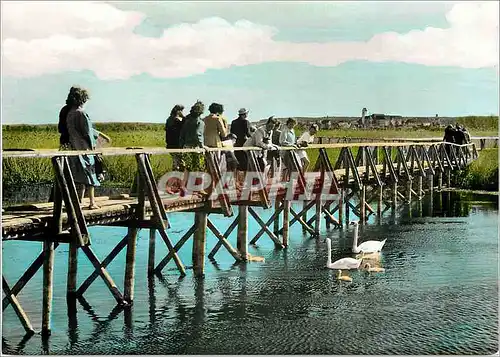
(262, 138)
(305, 139)
(288, 138)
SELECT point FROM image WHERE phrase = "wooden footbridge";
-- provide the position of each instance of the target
(358, 173)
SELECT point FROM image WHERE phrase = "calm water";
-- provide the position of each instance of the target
(439, 294)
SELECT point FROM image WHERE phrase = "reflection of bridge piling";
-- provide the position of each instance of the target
(361, 174)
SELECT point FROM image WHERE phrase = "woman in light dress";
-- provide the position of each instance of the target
(304, 140)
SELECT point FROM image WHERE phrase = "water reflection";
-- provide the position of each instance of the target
(292, 303)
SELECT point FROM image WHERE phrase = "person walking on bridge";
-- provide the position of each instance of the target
(82, 136)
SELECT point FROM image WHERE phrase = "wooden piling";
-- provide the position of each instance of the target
(276, 223)
(347, 207)
(419, 183)
(48, 276)
(199, 243)
(317, 221)
(408, 190)
(151, 252)
(286, 222)
(363, 204)
(72, 268)
(440, 180)
(431, 193)
(327, 221)
(380, 203)
(304, 217)
(394, 195)
(128, 293)
(341, 207)
(448, 178)
(242, 236)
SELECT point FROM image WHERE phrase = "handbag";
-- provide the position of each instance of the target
(100, 167)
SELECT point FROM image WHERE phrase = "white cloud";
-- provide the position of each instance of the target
(99, 37)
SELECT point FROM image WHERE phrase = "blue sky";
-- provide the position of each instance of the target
(138, 59)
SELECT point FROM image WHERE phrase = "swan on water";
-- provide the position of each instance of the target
(370, 246)
(341, 264)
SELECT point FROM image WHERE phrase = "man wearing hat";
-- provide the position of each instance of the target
(240, 127)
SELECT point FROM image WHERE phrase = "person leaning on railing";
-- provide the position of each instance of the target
(288, 139)
(275, 139)
(173, 127)
(215, 128)
(262, 138)
(240, 127)
(303, 141)
(192, 137)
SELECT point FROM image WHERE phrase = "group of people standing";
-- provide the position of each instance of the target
(456, 135)
(193, 131)
(186, 132)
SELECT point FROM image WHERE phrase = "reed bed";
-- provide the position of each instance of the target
(122, 169)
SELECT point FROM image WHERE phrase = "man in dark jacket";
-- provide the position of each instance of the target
(241, 128)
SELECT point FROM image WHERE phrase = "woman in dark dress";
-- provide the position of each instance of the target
(173, 128)
(62, 127)
(82, 136)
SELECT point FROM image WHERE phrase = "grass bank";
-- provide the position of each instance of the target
(482, 174)
(121, 170)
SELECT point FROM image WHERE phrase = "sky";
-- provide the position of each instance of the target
(139, 59)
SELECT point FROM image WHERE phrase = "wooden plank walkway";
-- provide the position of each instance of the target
(34, 220)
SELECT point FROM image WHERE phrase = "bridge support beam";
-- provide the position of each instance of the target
(72, 269)
(286, 222)
(420, 191)
(199, 243)
(408, 190)
(363, 204)
(379, 203)
(394, 195)
(305, 209)
(48, 278)
(242, 237)
(276, 227)
(152, 249)
(317, 222)
(128, 293)
(431, 192)
(341, 209)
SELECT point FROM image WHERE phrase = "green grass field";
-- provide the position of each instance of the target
(121, 169)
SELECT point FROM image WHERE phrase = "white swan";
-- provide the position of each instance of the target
(370, 246)
(341, 264)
